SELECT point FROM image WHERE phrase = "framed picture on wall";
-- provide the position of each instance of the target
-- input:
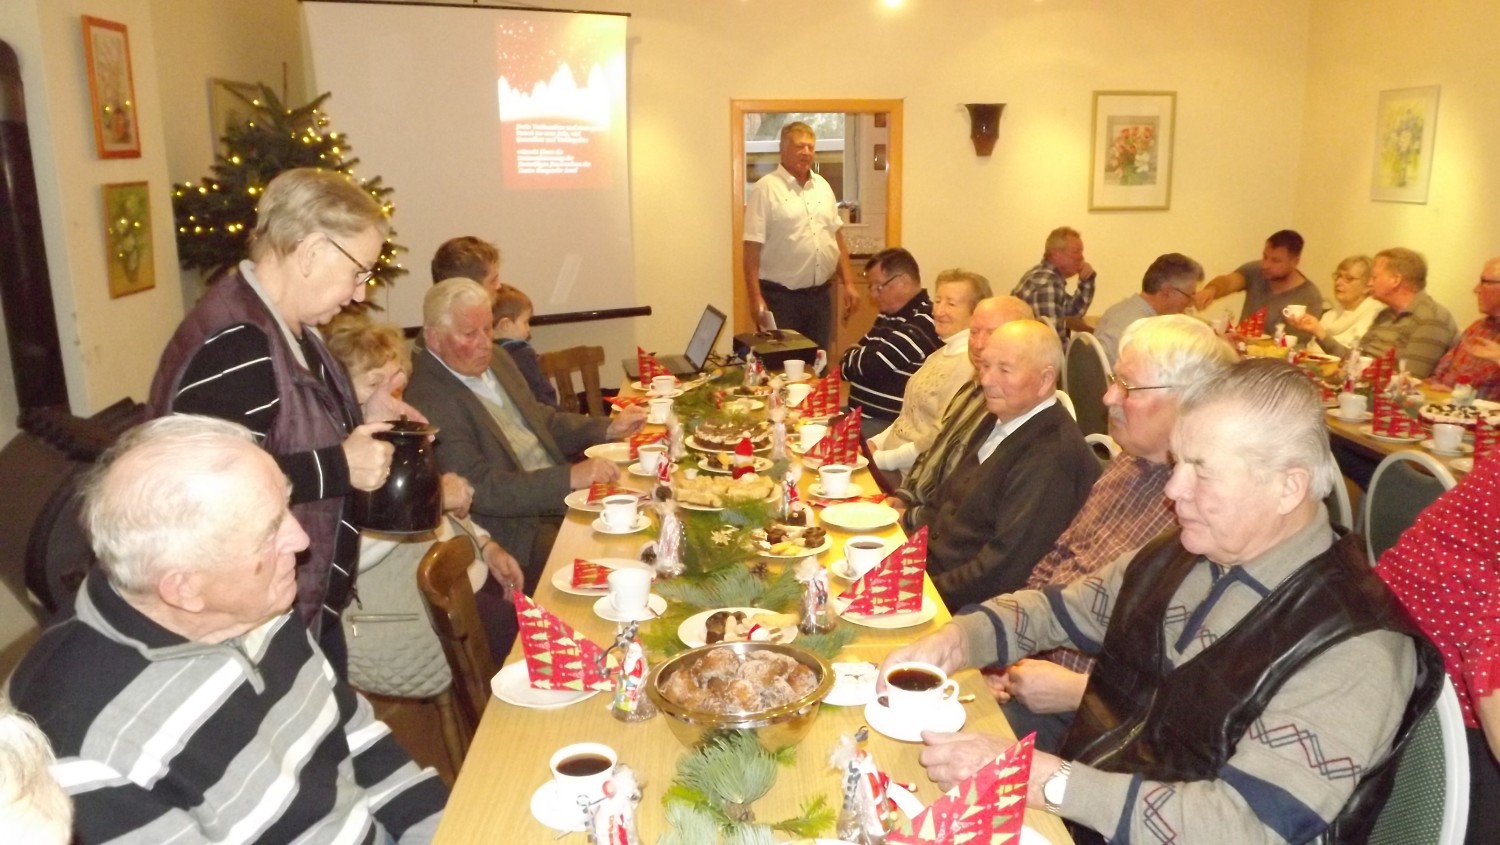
(106, 52)
(228, 105)
(127, 238)
(1131, 155)
(1405, 120)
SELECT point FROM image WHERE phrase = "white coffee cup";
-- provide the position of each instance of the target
(581, 770)
(915, 688)
(1447, 437)
(656, 409)
(1352, 405)
(810, 433)
(797, 393)
(1294, 311)
(863, 553)
(630, 590)
(795, 368)
(834, 479)
(663, 385)
(619, 511)
(651, 456)
(1220, 323)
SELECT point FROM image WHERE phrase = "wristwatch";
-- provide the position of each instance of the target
(1055, 786)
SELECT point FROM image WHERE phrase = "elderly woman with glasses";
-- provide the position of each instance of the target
(250, 352)
(1354, 309)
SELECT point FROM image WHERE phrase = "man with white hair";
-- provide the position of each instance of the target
(1160, 358)
(32, 805)
(184, 701)
(492, 431)
(1255, 682)
(1023, 476)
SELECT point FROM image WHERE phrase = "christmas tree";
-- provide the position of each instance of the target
(214, 217)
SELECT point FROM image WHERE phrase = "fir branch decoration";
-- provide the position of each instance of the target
(829, 645)
(817, 817)
(689, 825)
(731, 771)
(733, 587)
(214, 218)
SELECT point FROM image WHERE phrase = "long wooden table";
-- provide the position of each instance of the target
(508, 759)
(1356, 437)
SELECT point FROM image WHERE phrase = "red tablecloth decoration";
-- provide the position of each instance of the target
(895, 586)
(985, 809)
(557, 656)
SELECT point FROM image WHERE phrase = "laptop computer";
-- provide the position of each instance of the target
(691, 361)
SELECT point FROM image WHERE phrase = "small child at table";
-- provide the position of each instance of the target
(512, 315)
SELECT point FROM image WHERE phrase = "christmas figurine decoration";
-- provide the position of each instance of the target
(817, 615)
(630, 702)
(744, 458)
(669, 542)
(613, 818)
(868, 814)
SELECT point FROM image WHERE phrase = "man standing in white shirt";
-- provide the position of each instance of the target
(793, 246)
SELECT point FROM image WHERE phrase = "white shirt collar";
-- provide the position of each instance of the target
(486, 386)
(958, 344)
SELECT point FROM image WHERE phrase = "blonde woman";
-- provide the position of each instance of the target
(1354, 309)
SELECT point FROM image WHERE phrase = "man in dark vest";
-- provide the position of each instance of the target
(1255, 682)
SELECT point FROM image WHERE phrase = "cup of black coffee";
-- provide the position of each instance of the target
(581, 769)
(914, 688)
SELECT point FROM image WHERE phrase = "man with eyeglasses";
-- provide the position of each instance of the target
(879, 365)
(1476, 356)
(1045, 286)
(1167, 288)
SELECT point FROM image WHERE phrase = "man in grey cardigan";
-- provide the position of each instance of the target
(492, 431)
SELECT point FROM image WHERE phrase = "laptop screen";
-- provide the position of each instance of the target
(704, 336)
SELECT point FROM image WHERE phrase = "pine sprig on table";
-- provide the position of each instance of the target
(733, 587)
(716, 784)
(817, 816)
(702, 402)
(829, 645)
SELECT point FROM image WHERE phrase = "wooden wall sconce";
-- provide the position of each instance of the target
(984, 120)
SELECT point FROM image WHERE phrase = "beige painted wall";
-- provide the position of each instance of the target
(1364, 47)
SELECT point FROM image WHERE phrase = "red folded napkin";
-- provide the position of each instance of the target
(1253, 325)
(895, 586)
(823, 401)
(1486, 439)
(588, 575)
(985, 809)
(599, 489)
(627, 401)
(636, 441)
(841, 445)
(1383, 420)
(557, 656)
(650, 367)
(1380, 371)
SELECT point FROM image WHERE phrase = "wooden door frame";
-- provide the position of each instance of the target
(737, 111)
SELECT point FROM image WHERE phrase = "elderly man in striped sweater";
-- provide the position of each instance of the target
(184, 701)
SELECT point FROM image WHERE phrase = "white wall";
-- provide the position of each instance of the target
(1367, 46)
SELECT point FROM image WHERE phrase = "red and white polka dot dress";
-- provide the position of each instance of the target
(1446, 571)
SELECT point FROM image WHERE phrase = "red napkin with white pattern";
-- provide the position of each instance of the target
(985, 809)
(1253, 325)
(557, 656)
(1486, 439)
(895, 586)
(650, 367)
(823, 401)
(599, 489)
(841, 444)
(640, 439)
(590, 576)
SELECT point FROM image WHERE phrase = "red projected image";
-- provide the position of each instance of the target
(561, 87)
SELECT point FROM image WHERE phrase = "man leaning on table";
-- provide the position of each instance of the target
(1022, 477)
(1413, 323)
(1476, 355)
(964, 415)
(793, 246)
(493, 432)
(1254, 680)
(1160, 358)
(1272, 283)
(183, 700)
(1045, 286)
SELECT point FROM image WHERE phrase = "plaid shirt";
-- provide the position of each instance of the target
(1458, 361)
(1046, 291)
(1125, 509)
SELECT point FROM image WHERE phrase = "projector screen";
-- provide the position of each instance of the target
(504, 124)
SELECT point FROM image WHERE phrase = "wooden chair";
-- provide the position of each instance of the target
(443, 579)
(560, 366)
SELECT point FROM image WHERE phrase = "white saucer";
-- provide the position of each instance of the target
(840, 569)
(656, 606)
(860, 462)
(638, 470)
(562, 578)
(641, 522)
(1364, 416)
(907, 619)
(1462, 464)
(1463, 449)
(551, 810)
(578, 500)
(1368, 431)
(853, 684)
(806, 376)
(854, 491)
(694, 630)
(512, 685)
(944, 718)
(616, 452)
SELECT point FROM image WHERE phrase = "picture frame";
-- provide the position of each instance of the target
(1130, 157)
(106, 52)
(129, 251)
(225, 109)
(1405, 128)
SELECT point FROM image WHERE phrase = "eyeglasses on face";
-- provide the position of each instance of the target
(877, 287)
(365, 273)
(1116, 381)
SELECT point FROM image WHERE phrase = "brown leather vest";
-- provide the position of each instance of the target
(1141, 716)
(312, 416)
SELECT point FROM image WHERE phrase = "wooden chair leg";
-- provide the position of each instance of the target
(455, 738)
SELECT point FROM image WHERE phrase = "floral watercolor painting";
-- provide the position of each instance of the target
(1404, 124)
(106, 50)
(127, 238)
(1131, 156)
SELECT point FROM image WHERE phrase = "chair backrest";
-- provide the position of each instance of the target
(444, 580)
(1403, 485)
(1067, 402)
(1086, 377)
(1340, 512)
(1429, 802)
(560, 367)
(1105, 448)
